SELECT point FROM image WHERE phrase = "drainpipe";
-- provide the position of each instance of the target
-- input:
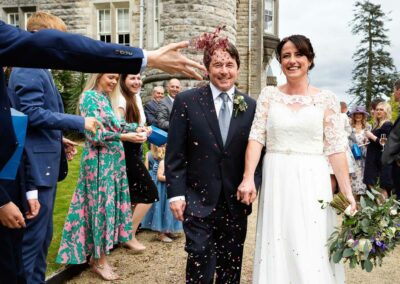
(141, 24)
(249, 53)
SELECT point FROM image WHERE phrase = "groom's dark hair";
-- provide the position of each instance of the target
(230, 48)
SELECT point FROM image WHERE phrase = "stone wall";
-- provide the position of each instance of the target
(76, 14)
(250, 84)
(179, 20)
(184, 20)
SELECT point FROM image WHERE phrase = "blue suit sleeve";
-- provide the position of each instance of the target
(58, 50)
(29, 86)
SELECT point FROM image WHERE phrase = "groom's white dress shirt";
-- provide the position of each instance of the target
(217, 103)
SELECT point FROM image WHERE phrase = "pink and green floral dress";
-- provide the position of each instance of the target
(100, 212)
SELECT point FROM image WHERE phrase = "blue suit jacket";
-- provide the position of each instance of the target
(56, 50)
(150, 110)
(37, 96)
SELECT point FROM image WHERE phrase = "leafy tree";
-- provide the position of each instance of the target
(395, 108)
(374, 72)
(70, 85)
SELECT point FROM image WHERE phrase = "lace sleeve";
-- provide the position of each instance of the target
(335, 140)
(347, 126)
(259, 127)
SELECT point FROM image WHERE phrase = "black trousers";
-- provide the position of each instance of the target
(215, 247)
(11, 267)
(396, 179)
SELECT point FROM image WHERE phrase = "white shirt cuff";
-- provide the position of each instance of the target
(144, 61)
(33, 194)
(176, 198)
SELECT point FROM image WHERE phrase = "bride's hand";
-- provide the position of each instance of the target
(353, 204)
(246, 192)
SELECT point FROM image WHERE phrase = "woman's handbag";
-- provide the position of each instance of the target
(355, 149)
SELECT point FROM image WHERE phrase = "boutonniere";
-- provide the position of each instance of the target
(239, 104)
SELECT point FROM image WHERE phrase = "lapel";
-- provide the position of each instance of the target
(169, 104)
(206, 102)
(233, 126)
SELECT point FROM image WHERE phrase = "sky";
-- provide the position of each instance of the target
(326, 23)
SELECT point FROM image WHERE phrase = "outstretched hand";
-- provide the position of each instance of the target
(169, 59)
(247, 192)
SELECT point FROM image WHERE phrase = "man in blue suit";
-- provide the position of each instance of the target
(43, 50)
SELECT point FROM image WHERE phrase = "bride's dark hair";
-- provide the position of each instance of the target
(302, 43)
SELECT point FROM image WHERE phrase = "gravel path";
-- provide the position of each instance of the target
(165, 263)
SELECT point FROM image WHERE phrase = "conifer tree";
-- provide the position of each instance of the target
(374, 71)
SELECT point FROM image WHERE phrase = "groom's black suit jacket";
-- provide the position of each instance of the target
(392, 147)
(198, 165)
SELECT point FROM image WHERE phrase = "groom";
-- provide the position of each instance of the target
(207, 140)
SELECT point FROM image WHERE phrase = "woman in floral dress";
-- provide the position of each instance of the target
(359, 125)
(100, 212)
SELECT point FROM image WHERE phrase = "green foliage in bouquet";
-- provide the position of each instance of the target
(368, 235)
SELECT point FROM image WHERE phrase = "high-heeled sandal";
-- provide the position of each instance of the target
(105, 272)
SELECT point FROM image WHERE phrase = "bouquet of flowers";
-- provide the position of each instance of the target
(368, 235)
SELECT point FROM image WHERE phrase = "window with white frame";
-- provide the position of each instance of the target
(269, 16)
(26, 16)
(13, 19)
(104, 25)
(123, 36)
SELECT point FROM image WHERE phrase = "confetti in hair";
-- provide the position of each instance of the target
(211, 41)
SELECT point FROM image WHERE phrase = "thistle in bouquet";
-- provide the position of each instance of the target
(367, 236)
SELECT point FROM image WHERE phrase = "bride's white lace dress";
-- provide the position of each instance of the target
(292, 229)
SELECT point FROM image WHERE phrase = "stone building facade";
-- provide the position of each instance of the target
(251, 24)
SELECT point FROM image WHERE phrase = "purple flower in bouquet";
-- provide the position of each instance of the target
(373, 250)
(366, 237)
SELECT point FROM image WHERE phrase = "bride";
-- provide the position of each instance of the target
(299, 124)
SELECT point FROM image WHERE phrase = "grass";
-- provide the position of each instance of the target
(65, 189)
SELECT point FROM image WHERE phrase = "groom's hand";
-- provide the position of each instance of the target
(247, 192)
(177, 208)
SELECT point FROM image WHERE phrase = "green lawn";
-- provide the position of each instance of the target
(65, 189)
